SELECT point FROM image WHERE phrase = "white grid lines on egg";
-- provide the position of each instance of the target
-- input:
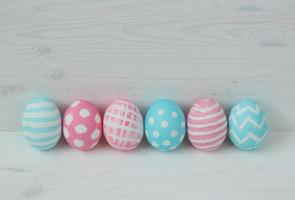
(123, 125)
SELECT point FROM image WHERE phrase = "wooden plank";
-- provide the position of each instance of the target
(146, 173)
(144, 50)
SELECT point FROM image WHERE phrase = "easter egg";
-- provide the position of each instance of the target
(206, 125)
(165, 125)
(248, 125)
(82, 125)
(41, 123)
(123, 125)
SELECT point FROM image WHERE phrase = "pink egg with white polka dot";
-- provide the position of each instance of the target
(123, 125)
(82, 125)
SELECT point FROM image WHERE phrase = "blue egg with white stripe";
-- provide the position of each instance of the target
(41, 123)
(248, 125)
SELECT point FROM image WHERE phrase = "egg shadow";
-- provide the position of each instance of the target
(62, 144)
(274, 141)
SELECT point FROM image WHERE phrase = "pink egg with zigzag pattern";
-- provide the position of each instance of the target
(206, 125)
(123, 125)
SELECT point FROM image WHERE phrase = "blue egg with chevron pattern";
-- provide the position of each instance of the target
(248, 125)
(41, 123)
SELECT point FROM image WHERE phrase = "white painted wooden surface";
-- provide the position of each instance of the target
(186, 173)
(146, 49)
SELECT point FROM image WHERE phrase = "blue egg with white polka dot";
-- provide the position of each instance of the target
(165, 125)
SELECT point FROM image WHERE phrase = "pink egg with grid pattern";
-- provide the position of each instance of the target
(82, 125)
(123, 125)
(206, 125)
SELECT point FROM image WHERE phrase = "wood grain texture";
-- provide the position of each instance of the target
(144, 174)
(148, 49)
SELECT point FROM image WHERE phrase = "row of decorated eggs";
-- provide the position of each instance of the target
(165, 125)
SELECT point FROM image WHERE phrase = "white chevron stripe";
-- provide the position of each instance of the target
(205, 110)
(249, 136)
(207, 132)
(255, 110)
(207, 116)
(251, 121)
(208, 124)
(41, 124)
(211, 139)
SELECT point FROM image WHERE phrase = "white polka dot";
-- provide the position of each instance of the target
(84, 113)
(75, 104)
(146, 133)
(155, 144)
(69, 119)
(95, 134)
(172, 148)
(66, 133)
(174, 114)
(173, 133)
(164, 124)
(80, 129)
(151, 121)
(97, 119)
(156, 134)
(166, 143)
(161, 112)
(78, 143)
(181, 138)
(182, 124)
